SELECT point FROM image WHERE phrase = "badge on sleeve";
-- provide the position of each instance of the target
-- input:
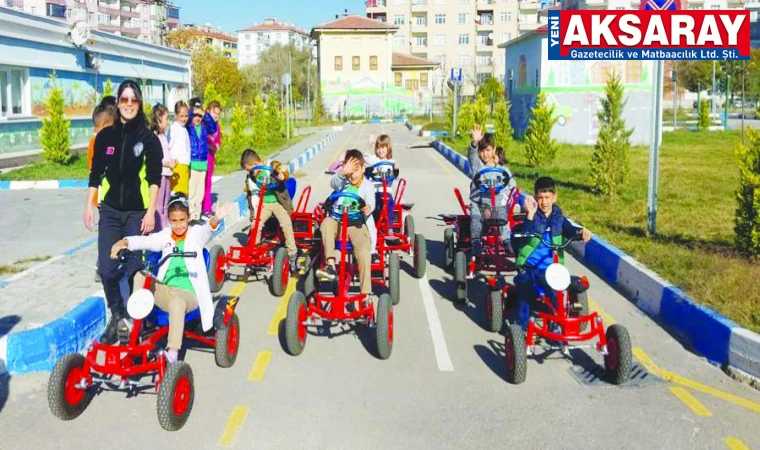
(138, 149)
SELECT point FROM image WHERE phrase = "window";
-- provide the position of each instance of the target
(424, 79)
(464, 60)
(420, 20)
(440, 19)
(14, 97)
(338, 63)
(420, 41)
(248, 48)
(464, 1)
(56, 10)
(464, 39)
(463, 18)
(172, 13)
(484, 60)
(440, 2)
(440, 39)
(398, 40)
(399, 19)
(412, 85)
(247, 36)
(356, 63)
(398, 78)
(506, 16)
(398, 2)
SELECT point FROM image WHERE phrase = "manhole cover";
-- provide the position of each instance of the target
(593, 375)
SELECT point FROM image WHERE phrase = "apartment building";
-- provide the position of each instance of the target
(148, 21)
(256, 39)
(217, 39)
(458, 33)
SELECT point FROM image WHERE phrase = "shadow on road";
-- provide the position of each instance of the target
(474, 310)
(493, 357)
(6, 325)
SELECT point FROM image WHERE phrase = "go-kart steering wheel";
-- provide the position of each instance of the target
(264, 176)
(498, 183)
(353, 208)
(382, 170)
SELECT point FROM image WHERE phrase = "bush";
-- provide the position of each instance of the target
(704, 115)
(319, 108)
(747, 220)
(540, 148)
(107, 89)
(54, 134)
(274, 121)
(236, 140)
(503, 127)
(480, 111)
(609, 162)
(210, 94)
(465, 118)
(260, 124)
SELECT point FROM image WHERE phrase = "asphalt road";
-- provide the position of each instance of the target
(443, 386)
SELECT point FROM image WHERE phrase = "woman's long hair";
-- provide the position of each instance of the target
(138, 94)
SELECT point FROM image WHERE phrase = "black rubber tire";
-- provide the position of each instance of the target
(57, 388)
(515, 356)
(281, 264)
(420, 256)
(215, 253)
(583, 299)
(460, 276)
(495, 310)
(167, 417)
(618, 368)
(394, 278)
(224, 355)
(449, 248)
(310, 282)
(294, 345)
(384, 328)
(409, 229)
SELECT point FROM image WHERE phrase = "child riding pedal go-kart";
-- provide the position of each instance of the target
(172, 300)
(553, 309)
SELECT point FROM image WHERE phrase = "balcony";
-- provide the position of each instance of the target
(130, 13)
(484, 45)
(130, 31)
(484, 22)
(109, 28)
(525, 27)
(113, 12)
(375, 5)
(599, 4)
(527, 6)
(419, 5)
(486, 3)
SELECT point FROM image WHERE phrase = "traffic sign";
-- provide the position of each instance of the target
(660, 5)
(456, 74)
(286, 79)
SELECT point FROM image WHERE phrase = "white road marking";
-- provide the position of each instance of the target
(436, 330)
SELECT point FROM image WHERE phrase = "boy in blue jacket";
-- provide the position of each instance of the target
(198, 129)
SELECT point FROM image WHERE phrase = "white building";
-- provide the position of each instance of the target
(148, 21)
(256, 39)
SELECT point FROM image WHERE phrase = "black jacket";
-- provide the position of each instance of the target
(126, 161)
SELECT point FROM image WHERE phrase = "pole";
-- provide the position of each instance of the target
(699, 102)
(675, 93)
(654, 148)
(454, 122)
(308, 90)
(744, 69)
(288, 90)
(712, 102)
(725, 105)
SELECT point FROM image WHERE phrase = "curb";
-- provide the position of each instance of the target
(21, 185)
(701, 329)
(38, 349)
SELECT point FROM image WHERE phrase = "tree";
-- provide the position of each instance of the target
(236, 140)
(694, 75)
(503, 126)
(747, 220)
(54, 134)
(274, 119)
(540, 148)
(148, 110)
(465, 118)
(704, 115)
(210, 94)
(210, 66)
(107, 89)
(273, 63)
(260, 124)
(185, 39)
(491, 90)
(319, 108)
(609, 162)
(480, 111)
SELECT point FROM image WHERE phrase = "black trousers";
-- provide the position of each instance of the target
(113, 226)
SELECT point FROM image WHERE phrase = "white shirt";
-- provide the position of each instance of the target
(179, 144)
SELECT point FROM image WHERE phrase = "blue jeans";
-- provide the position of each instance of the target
(113, 226)
(476, 225)
(525, 282)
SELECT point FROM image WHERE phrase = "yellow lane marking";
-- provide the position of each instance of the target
(440, 163)
(606, 318)
(647, 362)
(237, 419)
(260, 366)
(692, 402)
(238, 289)
(279, 314)
(735, 444)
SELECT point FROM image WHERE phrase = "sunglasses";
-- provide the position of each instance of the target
(128, 101)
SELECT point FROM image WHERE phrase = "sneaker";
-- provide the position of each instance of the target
(124, 328)
(97, 277)
(375, 258)
(110, 335)
(171, 356)
(293, 261)
(328, 272)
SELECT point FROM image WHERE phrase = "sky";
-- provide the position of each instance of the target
(233, 15)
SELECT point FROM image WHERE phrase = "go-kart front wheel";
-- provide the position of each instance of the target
(280, 272)
(227, 343)
(460, 276)
(619, 359)
(515, 354)
(295, 324)
(409, 229)
(66, 398)
(384, 328)
(175, 396)
(394, 278)
(216, 273)
(420, 255)
(494, 310)
(449, 248)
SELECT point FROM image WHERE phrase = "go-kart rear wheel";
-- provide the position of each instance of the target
(515, 355)
(394, 278)
(227, 343)
(449, 248)
(420, 256)
(216, 273)
(460, 276)
(583, 300)
(618, 360)
(278, 282)
(384, 328)
(295, 324)
(409, 229)
(175, 396)
(65, 398)
(495, 310)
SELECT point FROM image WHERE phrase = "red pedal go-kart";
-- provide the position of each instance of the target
(268, 259)
(566, 325)
(390, 237)
(307, 307)
(492, 264)
(76, 379)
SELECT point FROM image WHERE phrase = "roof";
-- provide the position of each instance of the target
(354, 23)
(543, 29)
(403, 60)
(275, 26)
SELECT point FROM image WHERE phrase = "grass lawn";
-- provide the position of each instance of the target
(694, 245)
(20, 265)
